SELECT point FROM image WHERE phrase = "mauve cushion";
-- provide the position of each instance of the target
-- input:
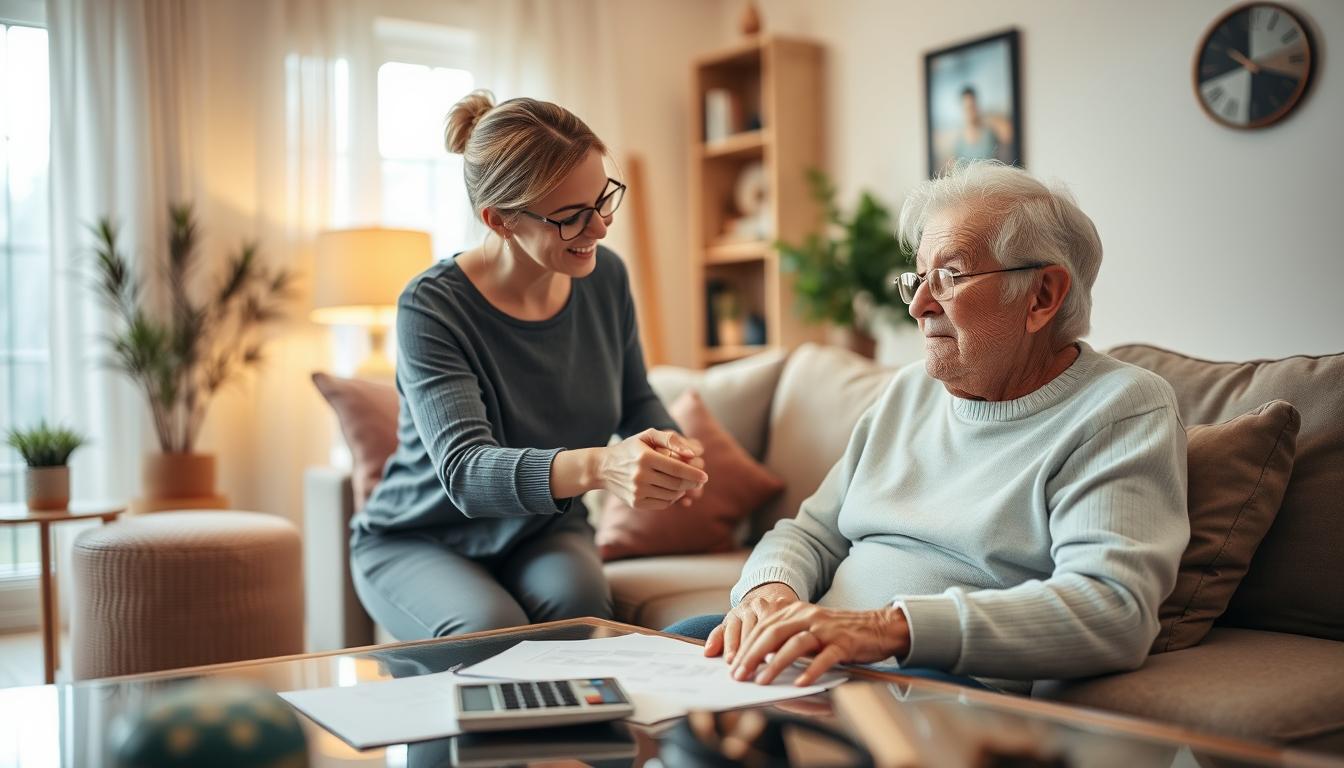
(367, 412)
(737, 485)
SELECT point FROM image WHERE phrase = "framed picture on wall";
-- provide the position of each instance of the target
(972, 101)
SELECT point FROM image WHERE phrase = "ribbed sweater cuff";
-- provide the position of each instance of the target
(935, 631)
(534, 482)
(761, 576)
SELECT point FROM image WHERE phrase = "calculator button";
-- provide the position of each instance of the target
(594, 698)
(530, 695)
(567, 695)
(548, 696)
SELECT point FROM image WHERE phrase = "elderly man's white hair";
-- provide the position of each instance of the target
(1028, 223)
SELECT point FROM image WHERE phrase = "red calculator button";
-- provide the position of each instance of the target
(593, 698)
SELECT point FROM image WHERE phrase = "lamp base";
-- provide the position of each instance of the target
(376, 367)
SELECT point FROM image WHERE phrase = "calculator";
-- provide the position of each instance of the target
(502, 705)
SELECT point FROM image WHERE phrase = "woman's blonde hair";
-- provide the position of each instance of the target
(515, 153)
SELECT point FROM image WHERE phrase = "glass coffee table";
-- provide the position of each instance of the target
(905, 721)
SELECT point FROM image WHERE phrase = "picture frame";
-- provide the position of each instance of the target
(972, 100)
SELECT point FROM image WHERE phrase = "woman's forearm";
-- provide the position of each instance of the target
(574, 473)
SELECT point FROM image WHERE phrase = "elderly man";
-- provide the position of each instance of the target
(1012, 509)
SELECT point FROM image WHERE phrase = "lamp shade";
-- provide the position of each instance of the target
(361, 272)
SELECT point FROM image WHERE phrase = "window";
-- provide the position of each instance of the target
(25, 358)
(424, 71)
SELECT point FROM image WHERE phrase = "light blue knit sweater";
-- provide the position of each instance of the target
(1028, 539)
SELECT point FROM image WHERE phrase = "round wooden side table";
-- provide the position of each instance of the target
(18, 514)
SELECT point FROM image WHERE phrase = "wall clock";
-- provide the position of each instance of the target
(1253, 65)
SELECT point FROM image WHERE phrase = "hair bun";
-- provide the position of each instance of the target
(462, 119)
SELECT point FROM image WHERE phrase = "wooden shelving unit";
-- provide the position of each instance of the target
(776, 86)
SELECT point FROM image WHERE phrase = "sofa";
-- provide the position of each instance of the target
(1271, 668)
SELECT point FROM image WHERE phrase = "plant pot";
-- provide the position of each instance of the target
(179, 475)
(852, 339)
(48, 488)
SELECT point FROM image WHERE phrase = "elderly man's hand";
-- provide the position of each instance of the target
(831, 637)
(757, 604)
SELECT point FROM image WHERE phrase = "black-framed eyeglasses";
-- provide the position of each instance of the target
(943, 282)
(574, 225)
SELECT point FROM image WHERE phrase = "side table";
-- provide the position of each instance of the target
(18, 514)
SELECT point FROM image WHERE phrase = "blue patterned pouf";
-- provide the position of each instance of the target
(212, 722)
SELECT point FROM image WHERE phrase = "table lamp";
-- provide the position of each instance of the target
(359, 275)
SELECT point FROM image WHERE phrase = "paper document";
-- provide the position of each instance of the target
(666, 678)
(376, 714)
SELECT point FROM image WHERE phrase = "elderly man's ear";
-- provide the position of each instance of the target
(1048, 297)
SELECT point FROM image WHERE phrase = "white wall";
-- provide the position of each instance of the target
(1219, 243)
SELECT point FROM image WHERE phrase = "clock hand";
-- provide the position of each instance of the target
(1251, 66)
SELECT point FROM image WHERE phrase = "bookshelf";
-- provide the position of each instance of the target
(756, 127)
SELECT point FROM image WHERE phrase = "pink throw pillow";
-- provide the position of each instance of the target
(737, 485)
(367, 412)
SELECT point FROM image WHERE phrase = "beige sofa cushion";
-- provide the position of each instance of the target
(1294, 583)
(1238, 682)
(821, 395)
(1238, 472)
(737, 393)
(655, 592)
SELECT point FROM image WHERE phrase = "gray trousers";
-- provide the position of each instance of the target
(417, 588)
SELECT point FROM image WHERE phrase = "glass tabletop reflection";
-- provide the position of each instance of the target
(79, 724)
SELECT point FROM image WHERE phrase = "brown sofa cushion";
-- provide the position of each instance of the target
(737, 486)
(1238, 682)
(367, 412)
(1238, 472)
(821, 395)
(1294, 583)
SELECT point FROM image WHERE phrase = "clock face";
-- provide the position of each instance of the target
(1253, 66)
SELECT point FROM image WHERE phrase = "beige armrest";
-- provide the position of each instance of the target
(334, 618)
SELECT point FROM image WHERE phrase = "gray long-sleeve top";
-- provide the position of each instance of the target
(488, 400)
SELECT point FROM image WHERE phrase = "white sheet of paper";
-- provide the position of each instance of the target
(665, 677)
(376, 714)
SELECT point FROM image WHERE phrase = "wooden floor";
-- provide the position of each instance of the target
(21, 659)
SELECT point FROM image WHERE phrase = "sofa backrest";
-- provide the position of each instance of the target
(1296, 580)
(822, 393)
(737, 393)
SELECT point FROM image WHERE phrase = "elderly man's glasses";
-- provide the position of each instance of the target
(574, 225)
(943, 282)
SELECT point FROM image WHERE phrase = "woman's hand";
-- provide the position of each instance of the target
(653, 469)
(829, 636)
(755, 606)
(698, 462)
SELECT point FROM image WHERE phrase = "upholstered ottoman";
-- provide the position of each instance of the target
(180, 589)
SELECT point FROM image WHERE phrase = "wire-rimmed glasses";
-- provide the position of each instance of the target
(943, 282)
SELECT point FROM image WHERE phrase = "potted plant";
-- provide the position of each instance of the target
(845, 273)
(46, 449)
(210, 333)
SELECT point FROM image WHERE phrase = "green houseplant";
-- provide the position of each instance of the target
(845, 272)
(46, 449)
(208, 333)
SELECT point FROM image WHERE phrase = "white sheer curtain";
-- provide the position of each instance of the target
(121, 128)
(259, 112)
